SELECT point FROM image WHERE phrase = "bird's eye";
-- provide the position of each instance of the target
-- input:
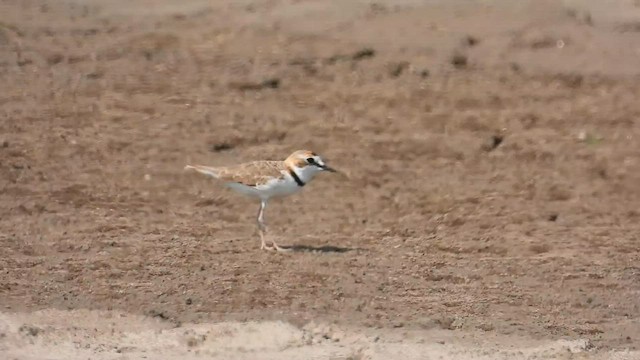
(311, 160)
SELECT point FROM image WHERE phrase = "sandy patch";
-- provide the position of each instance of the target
(81, 334)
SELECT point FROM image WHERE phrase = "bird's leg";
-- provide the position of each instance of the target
(262, 227)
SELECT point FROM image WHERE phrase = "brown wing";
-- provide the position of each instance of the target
(253, 173)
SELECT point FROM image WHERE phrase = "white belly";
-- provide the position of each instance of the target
(273, 188)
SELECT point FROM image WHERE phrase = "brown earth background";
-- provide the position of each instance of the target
(491, 150)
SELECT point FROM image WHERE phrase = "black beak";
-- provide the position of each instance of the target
(327, 168)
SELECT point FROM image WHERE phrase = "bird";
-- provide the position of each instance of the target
(267, 179)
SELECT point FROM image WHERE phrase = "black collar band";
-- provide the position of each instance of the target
(296, 178)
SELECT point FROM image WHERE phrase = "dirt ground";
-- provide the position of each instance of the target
(491, 152)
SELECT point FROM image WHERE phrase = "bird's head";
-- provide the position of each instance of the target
(307, 164)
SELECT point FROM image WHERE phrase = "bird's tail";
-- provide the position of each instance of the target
(207, 170)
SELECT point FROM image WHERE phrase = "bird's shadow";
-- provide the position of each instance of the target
(326, 249)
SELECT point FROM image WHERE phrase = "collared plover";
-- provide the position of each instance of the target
(268, 179)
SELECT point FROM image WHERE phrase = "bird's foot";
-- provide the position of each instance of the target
(274, 247)
(280, 248)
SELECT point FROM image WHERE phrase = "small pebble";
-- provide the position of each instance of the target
(582, 135)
